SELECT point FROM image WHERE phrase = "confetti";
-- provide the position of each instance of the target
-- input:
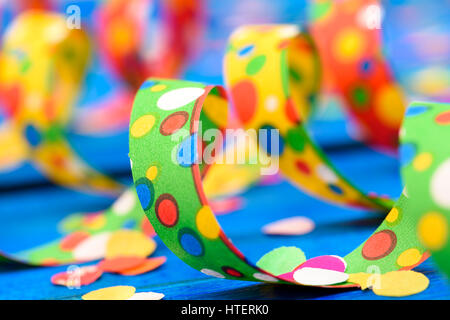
(79, 276)
(149, 265)
(401, 283)
(118, 264)
(281, 260)
(325, 262)
(290, 226)
(129, 243)
(111, 293)
(319, 277)
(92, 248)
(227, 205)
(147, 296)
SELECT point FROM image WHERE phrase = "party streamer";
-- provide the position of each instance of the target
(426, 168)
(39, 45)
(136, 45)
(179, 210)
(348, 38)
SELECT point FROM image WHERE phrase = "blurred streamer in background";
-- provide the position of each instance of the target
(416, 39)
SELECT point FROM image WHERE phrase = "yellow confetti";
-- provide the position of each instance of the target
(129, 243)
(362, 279)
(111, 293)
(401, 284)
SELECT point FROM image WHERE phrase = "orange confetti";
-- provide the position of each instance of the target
(149, 265)
(119, 264)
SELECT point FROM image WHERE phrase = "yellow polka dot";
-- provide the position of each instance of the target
(142, 126)
(349, 45)
(390, 106)
(432, 230)
(409, 257)
(423, 161)
(158, 87)
(207, 223)
(151, 173)
(392, 216)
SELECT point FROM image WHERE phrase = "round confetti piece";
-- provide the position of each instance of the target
(129, 243)
(319, 277)
(146, 296)
(79, 276)
(401, 284)
(111, 293)
(149, 265)
(119, 264)
(324, 262)
(290, 226)
(92, 248)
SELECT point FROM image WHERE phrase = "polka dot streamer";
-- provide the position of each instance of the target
(186, 224)
(427, 166)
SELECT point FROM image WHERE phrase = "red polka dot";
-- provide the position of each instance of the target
(379, 245)
(173, 123)
(302, 167)
(291, 112)
(72, 240)
(443, 118)
(244, 99)
(167, 210)
(232, 272)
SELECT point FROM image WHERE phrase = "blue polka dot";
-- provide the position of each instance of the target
(366, 66)
(145, 192)
(148, 84)
(246, 50)
(335, 189)
(407, 153)
(275, 147)
(190, 242)
(129, 224)
(32, 135)
(187, 153)
(415, 110)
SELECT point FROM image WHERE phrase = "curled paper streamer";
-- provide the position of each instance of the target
(277, 65)
(348, 38)
(136, 45)
(42, 63)
(174, 201)
(425, 155)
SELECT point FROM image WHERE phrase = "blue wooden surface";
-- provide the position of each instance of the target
(29, 216)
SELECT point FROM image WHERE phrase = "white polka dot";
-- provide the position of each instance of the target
(146, 296)
(264, 277)
(131, 164)
(178, 98)
(289, 31)
(440, 185)
(92, 248)
(319, 277)
(125, 203)
(212, 273)
(271, 103)
(326, 174)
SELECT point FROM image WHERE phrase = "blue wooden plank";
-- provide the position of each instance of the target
(338, 231)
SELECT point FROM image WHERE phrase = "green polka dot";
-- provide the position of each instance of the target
(360, 96)
(255, 65)
(295, 75)
(284, 73)
(296, 139)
